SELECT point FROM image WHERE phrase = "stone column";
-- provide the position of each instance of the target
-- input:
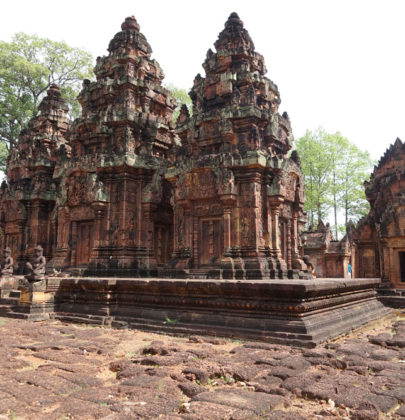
(74, 244)
(195, 241)
(268, 240)
(294, 237)
(148, 228)
(275, 202)
(122, 217)
(99, 212)
(276, 231)
(228, 202)
(188, 219)
(289, 251)
(227, 228)
(139, 224)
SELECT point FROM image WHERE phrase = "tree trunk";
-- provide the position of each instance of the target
(346, 211)
(335, 204)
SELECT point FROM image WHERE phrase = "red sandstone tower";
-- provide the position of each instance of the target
(238, 198)
(380, 236)
(114, 215)
(28, 199)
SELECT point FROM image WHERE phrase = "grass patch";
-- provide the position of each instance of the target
(170, 321)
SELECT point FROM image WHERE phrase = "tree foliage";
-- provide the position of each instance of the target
(181, 97)
(28, 67)
(334, 172)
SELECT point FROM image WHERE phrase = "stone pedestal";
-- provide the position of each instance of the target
(36, 300)
(8, 283)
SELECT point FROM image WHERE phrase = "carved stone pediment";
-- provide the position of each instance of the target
(85, 189)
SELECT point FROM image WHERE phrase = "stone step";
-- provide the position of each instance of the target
(5, 309)
(28, 316)
(198, 273)
(9, 301)
(393, 301)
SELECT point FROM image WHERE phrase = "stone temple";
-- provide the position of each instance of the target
(379, 240)
(142, 219)
(123, 191)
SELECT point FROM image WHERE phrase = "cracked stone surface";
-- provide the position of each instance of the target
(52, 370)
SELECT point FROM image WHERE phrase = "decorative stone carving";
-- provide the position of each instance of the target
(7, 265)
(36, 268)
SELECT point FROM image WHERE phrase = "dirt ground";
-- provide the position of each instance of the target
(52, 370)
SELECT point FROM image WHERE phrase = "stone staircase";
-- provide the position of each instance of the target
(395, 298)
(9, 301)
(198, 273)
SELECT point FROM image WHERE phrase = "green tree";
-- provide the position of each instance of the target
(334, 172)
(315, 162)
(337, 148)
(355, 168)
(28, 67)
(3, 157)
(181, 97)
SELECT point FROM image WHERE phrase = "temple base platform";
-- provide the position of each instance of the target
(295, 312)
(392, 297)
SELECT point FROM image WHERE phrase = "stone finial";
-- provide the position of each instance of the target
(130, 24)
(184, 114)
(234, 36)
(53, 90)
(321, 226)
(233, 20)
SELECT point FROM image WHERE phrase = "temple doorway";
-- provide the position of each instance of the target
(163, 243)
(211, 241)
(402, 265)
(84, 242)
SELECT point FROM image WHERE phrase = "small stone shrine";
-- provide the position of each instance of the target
(380, 236)
(330, 257)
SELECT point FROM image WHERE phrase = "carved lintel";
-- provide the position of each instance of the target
(228, 200)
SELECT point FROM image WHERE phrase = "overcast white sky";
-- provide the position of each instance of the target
(338, 64)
